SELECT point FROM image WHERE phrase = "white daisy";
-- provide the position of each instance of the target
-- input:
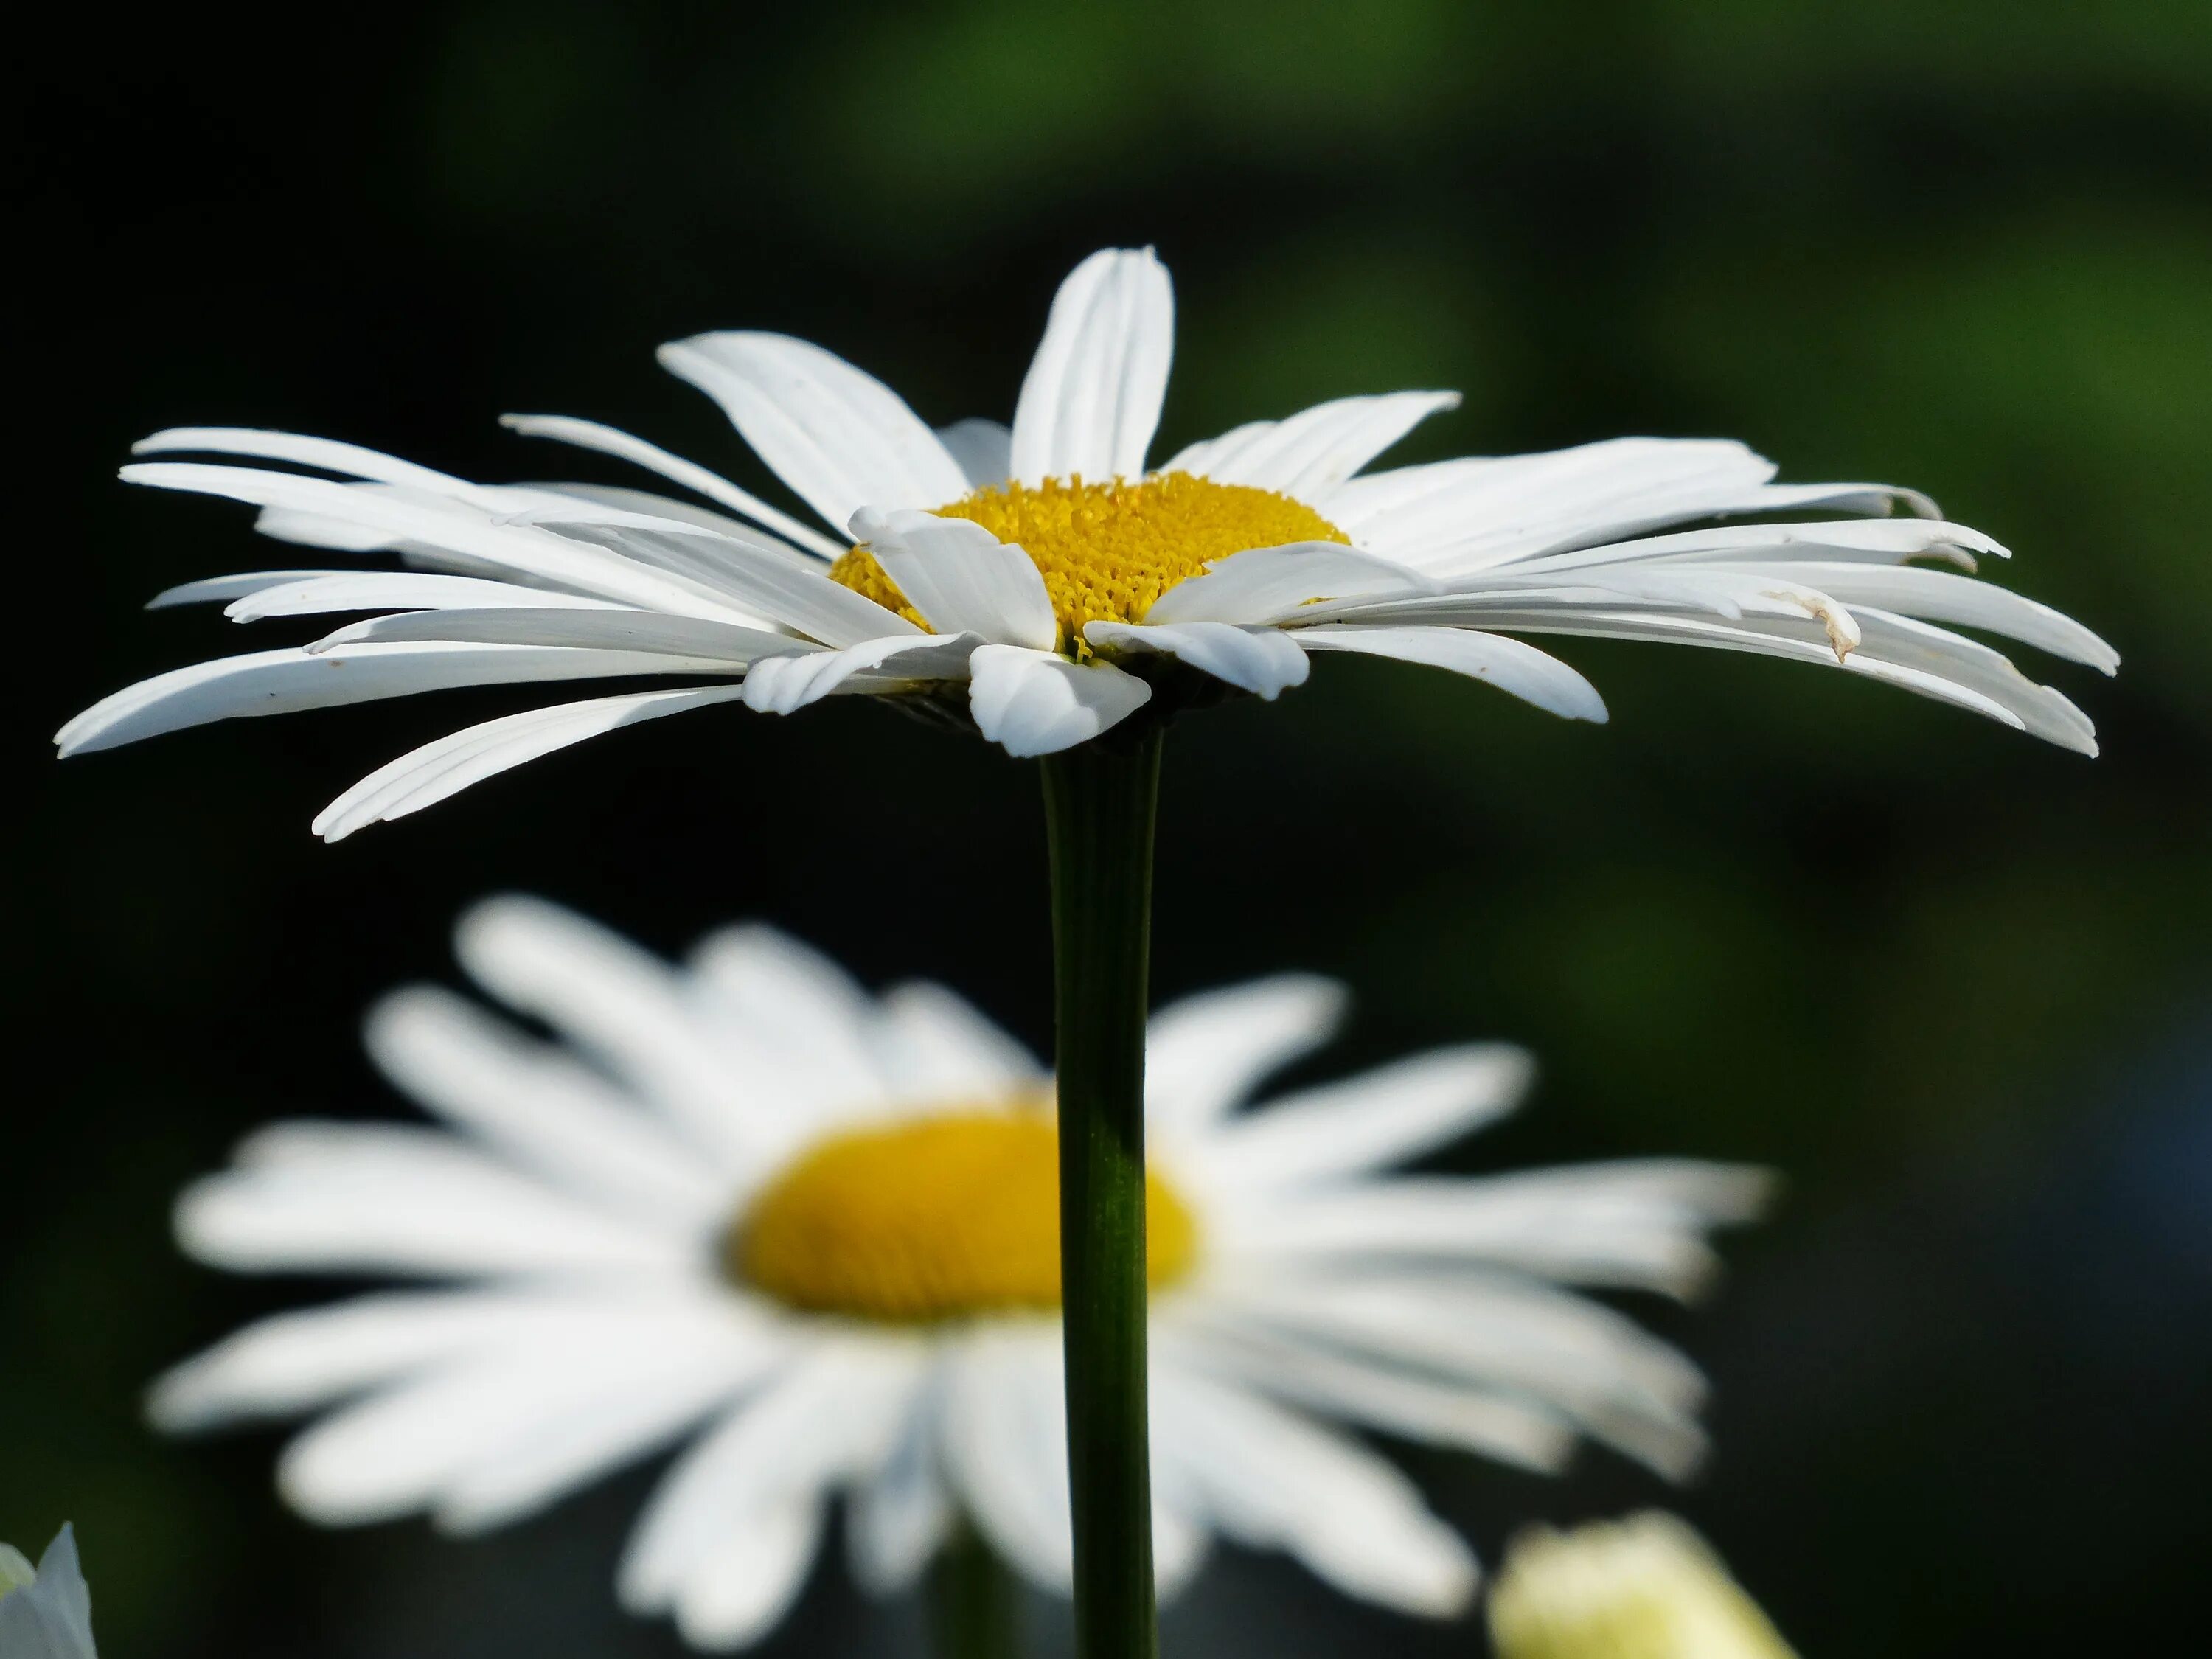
(813, 1234)
(1040, 580)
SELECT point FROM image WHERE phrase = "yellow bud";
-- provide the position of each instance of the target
(1644, 1588)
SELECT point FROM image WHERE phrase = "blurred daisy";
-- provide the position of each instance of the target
(1040, 580)
(1645, 1587)
(813, 1235)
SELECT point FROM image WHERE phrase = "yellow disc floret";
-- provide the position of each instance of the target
(1108, 550)
(941, 1218)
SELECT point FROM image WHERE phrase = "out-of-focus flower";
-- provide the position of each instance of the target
(1644, 1588)
(1038, 580)
(814, 1233)
(45, 1612)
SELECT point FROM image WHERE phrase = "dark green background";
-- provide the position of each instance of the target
(1958, 986)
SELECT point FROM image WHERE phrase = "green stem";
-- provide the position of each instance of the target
(975, 1610)
(1099, 802)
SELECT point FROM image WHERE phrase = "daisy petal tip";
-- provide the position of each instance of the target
(1576, 699)
(1759, 1190)
(83, 733)
(1033, 703)
(1680, 1464)
(173, 1404)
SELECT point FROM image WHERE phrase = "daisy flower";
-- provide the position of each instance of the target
(1644, 1588)
(811, 1236)
(1042, 582)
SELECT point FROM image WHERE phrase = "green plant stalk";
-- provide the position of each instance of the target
(1099, 801)
(974, 1604)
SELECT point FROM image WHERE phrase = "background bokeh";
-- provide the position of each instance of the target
(1958, 986)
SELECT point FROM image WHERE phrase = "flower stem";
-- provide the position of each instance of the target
(973, 1606)
(1099, 803)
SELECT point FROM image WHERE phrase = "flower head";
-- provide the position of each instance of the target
(45, 1612)
(1038, 580)
(1645, 1587)
(812, 1235)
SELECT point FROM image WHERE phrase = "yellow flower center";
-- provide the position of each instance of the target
(940, 1218)
(1108, 550)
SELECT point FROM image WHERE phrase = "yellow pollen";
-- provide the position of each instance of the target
(942, 1217)
(1108, 550)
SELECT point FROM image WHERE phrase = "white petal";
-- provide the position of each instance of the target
(1894, 649)
(218, 590)
(351, 1197)
(1341, 1130)
(422, 777)
(1005, 1431)
(297, 1361)
(486, 541)
(622, 503)
(1510, 664)
(1272, 584)
(935, 1045)
(572, 505)
(1205, 1054)
(535, 1104)
(325, 454)
(387, 1457)
(283, 682)
(1622, 1385)
(829, 1417)
(1261, 660)
(898, 1519)
(1091, 398)
(594, 628)
(1376, 1393)
(985, 450)
(1634, 1223)
(791, 1025)
(1942, 596)
(1479, 513)
(1517, 504)
(1662, 585)
(841, 440)
(1181, 1543)
(1864, 541)
(621, 1406)
(341, 535)
(1313, 451)
(320, 593)
(1030, 703)
(749, 1579)
(768, 583)
(530, 1412)
(1270, 1478)
(626, 1008)
(960, 577)
(785, 685)
(608, 440)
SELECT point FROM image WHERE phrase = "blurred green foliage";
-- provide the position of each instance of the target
(1935, 972)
